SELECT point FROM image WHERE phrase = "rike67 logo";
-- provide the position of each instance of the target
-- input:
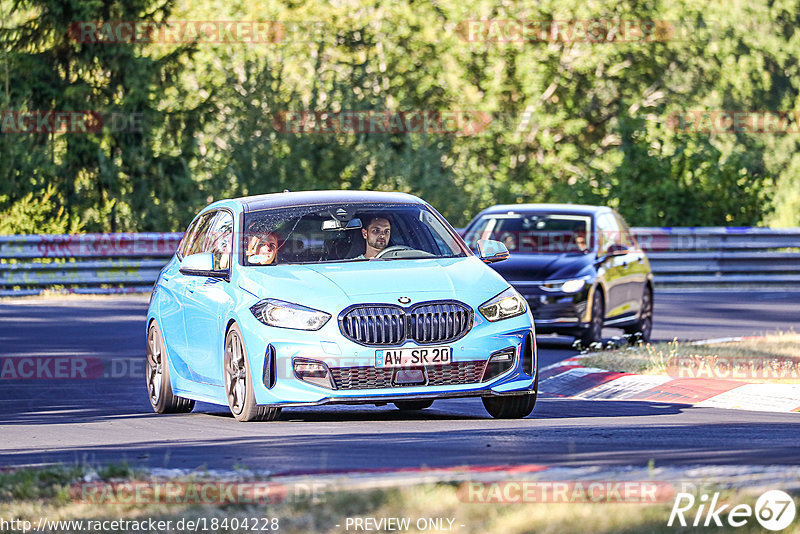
(774, 510)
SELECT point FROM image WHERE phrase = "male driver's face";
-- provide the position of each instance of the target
(580, 240)
(377, 233)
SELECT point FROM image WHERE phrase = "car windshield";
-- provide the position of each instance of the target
(342, 232)
(543, 233)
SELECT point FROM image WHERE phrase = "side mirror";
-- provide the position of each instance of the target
(617, 250)
(491, 251)
(200, 264)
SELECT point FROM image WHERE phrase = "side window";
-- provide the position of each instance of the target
(219, 240)
(186, 238)
(196, 234)
(609, 232)
(625, 232)
(480, 230)
(441, 237)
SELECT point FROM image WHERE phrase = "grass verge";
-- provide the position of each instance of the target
(30, 494)
(771, 358)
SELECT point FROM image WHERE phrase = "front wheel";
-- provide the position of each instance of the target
(510, 407)
(159, 388)
(239, 384)
(640, 332)
(594, 333)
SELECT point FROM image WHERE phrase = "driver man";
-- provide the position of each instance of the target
(579, 237)
(376, 235)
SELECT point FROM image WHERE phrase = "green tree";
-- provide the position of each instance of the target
(134, 178)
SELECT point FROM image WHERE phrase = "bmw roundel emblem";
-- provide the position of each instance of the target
(404, 300)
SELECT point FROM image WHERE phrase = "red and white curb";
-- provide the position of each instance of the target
(570, 379)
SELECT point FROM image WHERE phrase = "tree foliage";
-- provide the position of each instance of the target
(572, 121)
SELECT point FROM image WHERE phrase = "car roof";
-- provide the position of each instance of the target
(306, 198)
(576, 209)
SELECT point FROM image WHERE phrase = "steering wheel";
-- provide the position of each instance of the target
(393, 248)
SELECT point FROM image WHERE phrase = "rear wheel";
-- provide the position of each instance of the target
(159, 388)
(413, 405)
(644, 325)
(238, 383)
(594, 333)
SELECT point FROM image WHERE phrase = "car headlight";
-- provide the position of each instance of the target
(568, 286)
(283, 314)
(507, 304)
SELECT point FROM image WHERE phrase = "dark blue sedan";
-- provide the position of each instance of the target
(579, 267)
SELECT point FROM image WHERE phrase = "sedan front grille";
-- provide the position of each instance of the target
(374, 378)
(428, 322)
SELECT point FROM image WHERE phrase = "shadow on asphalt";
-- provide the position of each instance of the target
(365, 414)
(278, 451)
(75, 405)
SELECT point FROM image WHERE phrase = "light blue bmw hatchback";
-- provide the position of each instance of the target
(312, 298)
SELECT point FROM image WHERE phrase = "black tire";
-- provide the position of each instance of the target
(594, 333)
(641, 331)
(413, 405)
(238, 385)
(512, 406)
(159, 388)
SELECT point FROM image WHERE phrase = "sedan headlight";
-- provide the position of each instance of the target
(507, 304)
(565, 286)
(283, 314)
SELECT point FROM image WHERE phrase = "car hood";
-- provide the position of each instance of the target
(534, 267)
(341, 284)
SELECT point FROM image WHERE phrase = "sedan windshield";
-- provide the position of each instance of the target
(546, 233)
(346, 232)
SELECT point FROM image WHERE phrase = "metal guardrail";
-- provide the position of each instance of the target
(83, 263)
(125, 263)
(713, 257)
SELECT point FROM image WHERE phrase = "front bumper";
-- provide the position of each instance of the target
(555, 311)
(276, 347)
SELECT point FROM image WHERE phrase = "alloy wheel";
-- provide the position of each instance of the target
(235, 373)
(155, 371)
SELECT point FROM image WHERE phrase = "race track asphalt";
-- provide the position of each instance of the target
(109, 419)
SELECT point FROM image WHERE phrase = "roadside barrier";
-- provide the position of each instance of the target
(704, 258)
(718, 257)
(83, 263)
